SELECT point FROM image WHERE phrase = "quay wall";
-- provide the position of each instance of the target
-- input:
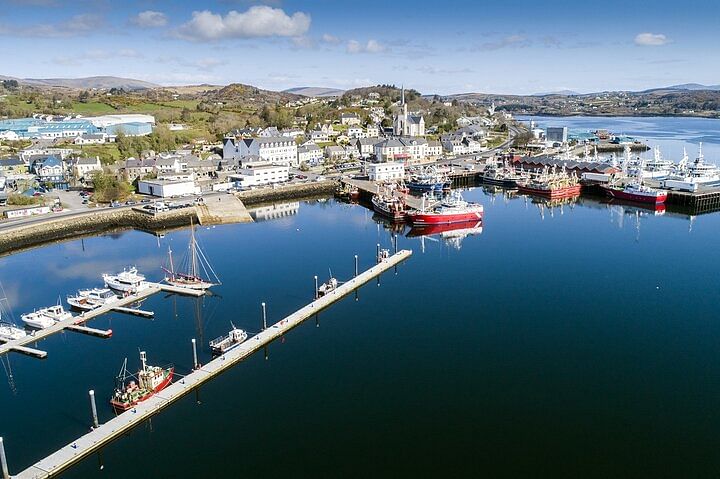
(25, 236)
(290, 192)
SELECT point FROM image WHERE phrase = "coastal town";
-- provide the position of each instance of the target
(285, 239)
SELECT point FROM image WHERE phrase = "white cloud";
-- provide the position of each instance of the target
(512, 41)
(648, 39)
(372, 46)
(257, 21)
(150, 19)
(331, 39)
(304, 42)
(77, 25)
(94, 56)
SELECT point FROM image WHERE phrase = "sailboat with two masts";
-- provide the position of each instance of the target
(195, 271)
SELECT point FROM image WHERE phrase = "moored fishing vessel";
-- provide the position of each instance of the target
(691, 176)
(127, 281)
(89, 299)
(189, 274)
(551, 185)
(389, 206)
(150, 381)
(226, 343)
(428, 181)
(636, 191)
(453, 209)
(500, 175)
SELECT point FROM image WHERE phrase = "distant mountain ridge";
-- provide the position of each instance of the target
(86, 83)
(314, 91)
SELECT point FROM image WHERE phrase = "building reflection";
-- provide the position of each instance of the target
(274, 211)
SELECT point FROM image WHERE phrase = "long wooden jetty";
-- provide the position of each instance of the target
(121, 424)
(20, 345)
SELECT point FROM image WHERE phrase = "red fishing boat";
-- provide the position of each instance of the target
(453, 209)
(150, 381)
(636, 191)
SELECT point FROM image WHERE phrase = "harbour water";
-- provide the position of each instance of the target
(568, 341)
(671, 134)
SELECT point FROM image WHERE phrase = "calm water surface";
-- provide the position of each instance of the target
(574, 341)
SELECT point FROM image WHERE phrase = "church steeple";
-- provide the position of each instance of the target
(402, 95)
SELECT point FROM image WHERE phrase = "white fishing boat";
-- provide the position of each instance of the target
(127, 281)
(194, 271)
(224, 344)
(37, 320)
(690, 176)
(89, 299)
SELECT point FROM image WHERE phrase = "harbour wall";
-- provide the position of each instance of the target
(290, 192)
(26, 236)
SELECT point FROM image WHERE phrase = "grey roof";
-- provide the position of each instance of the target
(11, 162)
(135, 163)
(87, 161)
(263, 140)
(308, 148)
(93, 136)
(390, 143)
(416, 119)
(410, 141)
(351, 114)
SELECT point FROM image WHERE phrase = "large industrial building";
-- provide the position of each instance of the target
(65, 127)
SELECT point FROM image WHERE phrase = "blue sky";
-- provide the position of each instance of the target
(509, 46)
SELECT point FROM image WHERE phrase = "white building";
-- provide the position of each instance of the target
(351, 118)
(372, 131)
(406, 149)
(105, 121)
(260, 175)
(366, 146)
(9, 135)
(408, 124)
(91, 139)
(168, 188)
(83, 166)
(355, 132)
(271, 149)
(309, 153)
(386, 171)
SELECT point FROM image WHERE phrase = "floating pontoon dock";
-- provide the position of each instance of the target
(107, 432)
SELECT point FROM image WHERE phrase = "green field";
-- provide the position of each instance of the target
(92, 108)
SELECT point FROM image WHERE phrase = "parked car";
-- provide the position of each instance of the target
(146, 200)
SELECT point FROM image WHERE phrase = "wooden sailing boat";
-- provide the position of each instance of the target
(195, 271)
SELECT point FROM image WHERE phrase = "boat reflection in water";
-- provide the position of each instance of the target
(451, 234)
(391, 226)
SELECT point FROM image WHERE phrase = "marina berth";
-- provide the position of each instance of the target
(89, 299)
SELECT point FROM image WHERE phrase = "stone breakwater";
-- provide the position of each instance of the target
(24, 236)
(290, 192)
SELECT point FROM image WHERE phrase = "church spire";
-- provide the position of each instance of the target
(402, 95)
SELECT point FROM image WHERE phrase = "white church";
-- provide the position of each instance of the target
(408, 124)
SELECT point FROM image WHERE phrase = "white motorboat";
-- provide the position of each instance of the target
(129, 280)
(89, 299)
(56, 312)
(224, 344)
(10, 332)
(37, 320)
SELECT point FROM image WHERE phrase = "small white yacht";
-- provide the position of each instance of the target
(56, 312)
(224, 344)
(37, 320)
(89, 299)
(129, 280)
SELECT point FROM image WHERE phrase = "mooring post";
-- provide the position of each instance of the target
(395, 239)
(264, 317)
(93, 407)
(195, 358)
(316, 288)
(3, 461)
(356, 265)
(377, 253)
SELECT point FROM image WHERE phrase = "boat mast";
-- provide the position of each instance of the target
(172, 267)
(193, 253)
(143, 360)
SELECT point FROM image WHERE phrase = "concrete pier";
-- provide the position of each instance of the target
(222, 210)
(121, 424)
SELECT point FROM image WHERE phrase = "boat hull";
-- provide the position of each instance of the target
(506, 183)
(427, 186)
(567, 192)
(198, 285)
(638, 198)
(421, 219)
(122, 407)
